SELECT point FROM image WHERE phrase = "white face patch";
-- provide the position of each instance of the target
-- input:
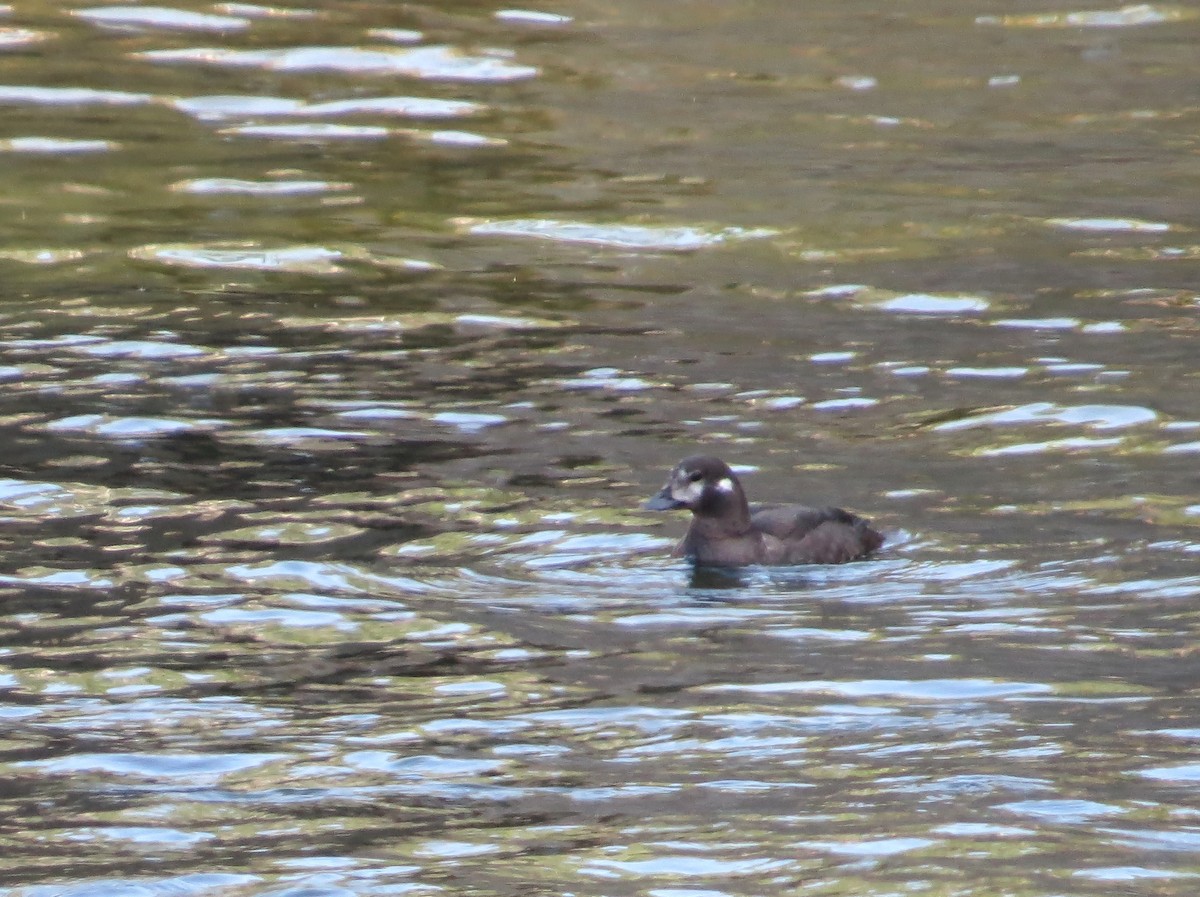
(724, 485)
(690, 494)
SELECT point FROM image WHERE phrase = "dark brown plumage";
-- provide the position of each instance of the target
(725, 532)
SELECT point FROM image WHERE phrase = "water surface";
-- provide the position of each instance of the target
(340, 345)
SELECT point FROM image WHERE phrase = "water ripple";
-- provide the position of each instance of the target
(621, 236)
(435, 63)
(159, 17)
(922, 690)
(55, 145)
(194, 768)
(307, 259)
(1100, 417)
(1124, 17)
(69, 96)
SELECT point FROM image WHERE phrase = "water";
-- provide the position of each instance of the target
(340, 345)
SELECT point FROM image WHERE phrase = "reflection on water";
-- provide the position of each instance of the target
(339, 344)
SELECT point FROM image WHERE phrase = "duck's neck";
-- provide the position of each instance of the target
(727, 513)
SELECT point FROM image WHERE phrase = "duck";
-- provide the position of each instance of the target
(726, 532)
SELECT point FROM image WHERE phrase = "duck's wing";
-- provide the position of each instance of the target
(818, 535)
(789, 522)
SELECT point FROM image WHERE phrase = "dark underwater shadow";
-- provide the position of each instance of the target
(720, 582)
(722, 578)
(802, 577)
(705, 579)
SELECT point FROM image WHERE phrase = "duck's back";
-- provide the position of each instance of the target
(816, 535)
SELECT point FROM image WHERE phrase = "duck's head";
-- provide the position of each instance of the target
(702, 484)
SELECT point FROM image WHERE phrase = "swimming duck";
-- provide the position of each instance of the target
(725, 532)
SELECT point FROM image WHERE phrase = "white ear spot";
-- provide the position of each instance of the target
(724, 485)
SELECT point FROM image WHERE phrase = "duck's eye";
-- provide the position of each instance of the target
(695, 476)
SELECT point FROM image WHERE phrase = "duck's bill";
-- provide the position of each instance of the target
(662, 501)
